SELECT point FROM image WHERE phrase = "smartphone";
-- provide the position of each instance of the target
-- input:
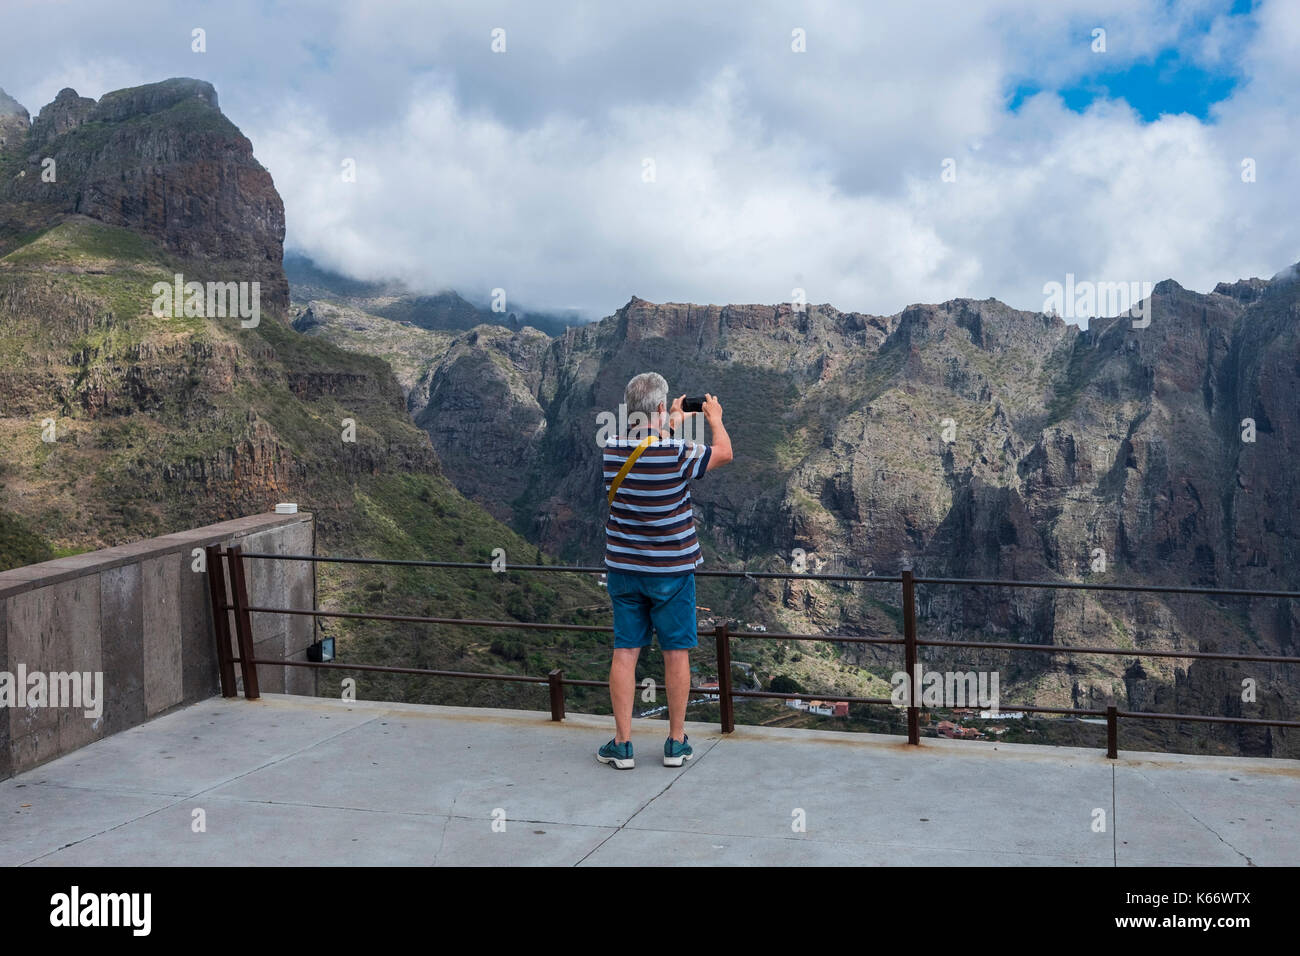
(693, 404)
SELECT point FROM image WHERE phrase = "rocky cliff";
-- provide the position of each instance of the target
(964, 439)
(117, 424)
(161, 160)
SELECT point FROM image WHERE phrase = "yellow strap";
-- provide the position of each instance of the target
(627, 465)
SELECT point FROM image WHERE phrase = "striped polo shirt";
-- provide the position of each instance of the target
(651, 528)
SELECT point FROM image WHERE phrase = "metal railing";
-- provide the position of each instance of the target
(229, 593)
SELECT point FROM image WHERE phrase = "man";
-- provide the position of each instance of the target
(651, 552)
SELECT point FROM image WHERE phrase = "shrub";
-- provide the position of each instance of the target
(784, 684)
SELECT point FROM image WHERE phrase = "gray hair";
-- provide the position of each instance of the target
(645, 393)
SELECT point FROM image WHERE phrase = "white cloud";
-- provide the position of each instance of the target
(774, 169)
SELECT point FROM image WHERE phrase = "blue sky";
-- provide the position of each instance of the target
(1166, 84)
(968, 149)
(1167, 81)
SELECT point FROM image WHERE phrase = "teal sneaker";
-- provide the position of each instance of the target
(677, 752)
(620, 755)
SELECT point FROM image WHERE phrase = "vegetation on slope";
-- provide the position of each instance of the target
(168, 423)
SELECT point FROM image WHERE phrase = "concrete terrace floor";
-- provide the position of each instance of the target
(297, 780)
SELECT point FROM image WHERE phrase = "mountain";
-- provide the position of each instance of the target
(443, 311)
(160, 160)
(964, 439)
(168, 421)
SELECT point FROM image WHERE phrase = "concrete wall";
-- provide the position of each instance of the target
(142, 616)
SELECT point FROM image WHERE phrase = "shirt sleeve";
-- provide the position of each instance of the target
(694, 459)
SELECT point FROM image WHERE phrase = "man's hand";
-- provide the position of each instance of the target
(675, 415)
(712, 410)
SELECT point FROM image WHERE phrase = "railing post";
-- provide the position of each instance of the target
(1112, 732)
(221, 620)
(909, 648)
(243, 622)
(556, 680)
(724, 677)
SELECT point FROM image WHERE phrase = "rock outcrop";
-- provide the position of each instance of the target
(67, 112)
(161, 160)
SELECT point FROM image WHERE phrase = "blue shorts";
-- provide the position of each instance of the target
(666, 601)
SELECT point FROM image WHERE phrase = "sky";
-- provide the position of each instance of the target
(872, 155)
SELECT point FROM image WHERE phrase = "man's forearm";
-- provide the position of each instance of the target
(720, 443)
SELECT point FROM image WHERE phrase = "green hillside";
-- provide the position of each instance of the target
(164, 424)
